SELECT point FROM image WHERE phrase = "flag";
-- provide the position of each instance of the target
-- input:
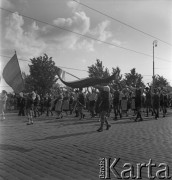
(81, 83)
(61, 73)
(12, 75)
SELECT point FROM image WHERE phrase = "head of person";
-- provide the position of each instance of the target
(93, 90)
(21, 94)
(147, 89)
(4, 92)
(106, 88)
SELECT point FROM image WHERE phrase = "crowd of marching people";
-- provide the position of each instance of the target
(99, 101)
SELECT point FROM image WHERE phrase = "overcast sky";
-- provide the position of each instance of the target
(31, 38)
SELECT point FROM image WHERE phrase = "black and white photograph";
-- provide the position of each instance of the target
(85, 89)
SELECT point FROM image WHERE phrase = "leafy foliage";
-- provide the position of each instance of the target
(118, 77)
(160, 81)
(133, 78)
(27, 83)
(98, 70)
(42, 74)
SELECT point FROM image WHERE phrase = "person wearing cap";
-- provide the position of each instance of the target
(104, 106)
(3, 99)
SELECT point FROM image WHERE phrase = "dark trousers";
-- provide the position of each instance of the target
(21, 111)
(116, 108)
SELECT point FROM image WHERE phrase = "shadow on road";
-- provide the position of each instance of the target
(8, 147)
(65, 136)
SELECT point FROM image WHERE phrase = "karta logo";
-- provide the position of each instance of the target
(113, 169)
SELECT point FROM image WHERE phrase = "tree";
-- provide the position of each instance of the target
(118, 77)
(160, 81)
(42, 74)
(27, 83)
(133, 78)
(97, 70)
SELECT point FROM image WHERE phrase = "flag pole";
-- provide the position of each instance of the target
(69, 73)
(72, 75)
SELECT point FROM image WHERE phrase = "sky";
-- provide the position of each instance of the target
(31, 38)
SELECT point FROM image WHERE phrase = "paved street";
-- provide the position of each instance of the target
(69, 148)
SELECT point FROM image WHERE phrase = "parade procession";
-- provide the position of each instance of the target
(96, 97)
(85, 89)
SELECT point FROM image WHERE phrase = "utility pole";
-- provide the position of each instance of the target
(153, 77)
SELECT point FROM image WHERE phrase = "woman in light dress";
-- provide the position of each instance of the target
(58, 104)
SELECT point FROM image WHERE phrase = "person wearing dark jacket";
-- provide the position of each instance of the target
(21, 105)
(104, 106)
(81, 103)
(116, 102)
(48, 104)
(138, 100)
(156, 103)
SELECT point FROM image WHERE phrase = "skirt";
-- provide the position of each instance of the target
(124, 105)
(65, 105)
(58, 106)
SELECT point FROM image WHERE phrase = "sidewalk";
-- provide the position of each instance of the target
(69, 148)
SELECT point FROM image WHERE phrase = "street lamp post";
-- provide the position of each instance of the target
(154, 45)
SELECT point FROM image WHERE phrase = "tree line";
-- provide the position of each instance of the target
(43, 75)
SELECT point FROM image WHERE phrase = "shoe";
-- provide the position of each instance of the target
(32, 122)
(141, 119)
(29, 123)
(135, 120)
(108, 126)
(100, 129)
(115, 118)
